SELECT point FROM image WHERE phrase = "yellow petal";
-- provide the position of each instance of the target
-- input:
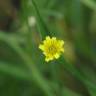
(62, 49)
(41, 47)
(53, 38)
(47, 59)
(62, 42)
(48, 38)
(57, 56)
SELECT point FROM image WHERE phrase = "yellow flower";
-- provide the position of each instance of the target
(52, 48)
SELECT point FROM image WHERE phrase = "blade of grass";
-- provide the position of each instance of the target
(38, 78)
(68, 92)
(78, 74)
(14, 71)
(48, 12)
(42, 28)
(50, 3)
(89, 3)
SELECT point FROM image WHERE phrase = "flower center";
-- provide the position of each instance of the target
(52, 49)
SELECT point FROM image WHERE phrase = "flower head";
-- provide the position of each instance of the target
(52, 48)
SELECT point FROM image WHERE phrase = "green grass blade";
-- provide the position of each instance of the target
(38, 78)
(43, 30)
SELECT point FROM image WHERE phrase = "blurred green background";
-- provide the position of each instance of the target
(23, 26)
